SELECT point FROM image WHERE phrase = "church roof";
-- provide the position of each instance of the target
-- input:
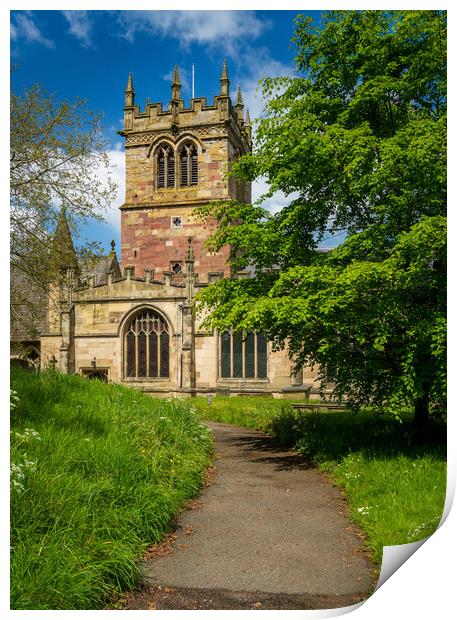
(99, 267)
(62, 249)
(28, 303)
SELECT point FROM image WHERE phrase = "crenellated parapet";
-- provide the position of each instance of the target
(131, 285)
(220, 118)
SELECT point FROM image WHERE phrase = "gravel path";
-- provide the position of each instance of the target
(270, 532)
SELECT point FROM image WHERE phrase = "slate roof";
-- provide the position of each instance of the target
(28, 304)
(99, 267)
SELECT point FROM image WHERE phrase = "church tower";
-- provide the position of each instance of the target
(178, 159)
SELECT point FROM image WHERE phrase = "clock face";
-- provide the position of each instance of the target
(176, 221)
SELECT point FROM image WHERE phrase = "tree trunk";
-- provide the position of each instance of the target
(421, 410)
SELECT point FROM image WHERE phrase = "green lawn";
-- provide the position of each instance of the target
(98, 472)
(395, 486)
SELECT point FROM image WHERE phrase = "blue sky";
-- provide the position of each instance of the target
(88, 54)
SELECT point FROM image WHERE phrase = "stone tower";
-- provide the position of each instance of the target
(177, 159)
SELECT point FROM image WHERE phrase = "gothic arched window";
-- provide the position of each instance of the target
(146, 346)
(243, 356)
(188, 158)
(165, 166)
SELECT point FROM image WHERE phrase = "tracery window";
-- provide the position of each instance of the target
(188, 158)
(165, 166)
(243, 356)
(147, 346)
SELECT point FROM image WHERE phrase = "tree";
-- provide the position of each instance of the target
(360, 136)
(57, 158)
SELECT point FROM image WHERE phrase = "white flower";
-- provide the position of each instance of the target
(28, 434)
(17, 485)
(30, 465)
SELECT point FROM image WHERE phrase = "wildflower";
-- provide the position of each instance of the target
(28, 434)
(15, 485)
(14, 399)
(16, 471)
(30, 465)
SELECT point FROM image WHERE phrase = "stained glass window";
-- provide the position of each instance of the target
(243, 356)
(249, 356)
(225, 354)
(237, 356)
(143, 360)
(261, 356)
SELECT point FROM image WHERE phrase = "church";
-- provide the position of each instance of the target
(133, 322)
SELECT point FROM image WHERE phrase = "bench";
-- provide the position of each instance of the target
(316, 406)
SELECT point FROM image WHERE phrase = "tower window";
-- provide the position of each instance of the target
(188, 157)
(176, 267)
(165, 167)
(176, 221)
(146, 347)
(243, 356)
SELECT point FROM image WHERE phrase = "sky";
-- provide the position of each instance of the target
(88, 54)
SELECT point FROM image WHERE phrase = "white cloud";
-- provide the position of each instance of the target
(221, 28)
(261, 65)
(80, 26)
(274, 203)
(23, 27)
(117, 160)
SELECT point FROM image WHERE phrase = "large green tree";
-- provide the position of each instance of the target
(360, 136)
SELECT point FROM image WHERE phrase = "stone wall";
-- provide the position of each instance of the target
(150, 242)
(101, 313)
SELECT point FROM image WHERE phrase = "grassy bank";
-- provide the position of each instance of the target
(395, 486)
(98, 472)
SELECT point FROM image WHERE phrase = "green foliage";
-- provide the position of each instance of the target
(395, 486)
(98, 473)
(58, 156)
(361, 137)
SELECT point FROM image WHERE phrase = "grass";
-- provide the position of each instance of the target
(395, 485)
(98, 473)
(248, 411)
